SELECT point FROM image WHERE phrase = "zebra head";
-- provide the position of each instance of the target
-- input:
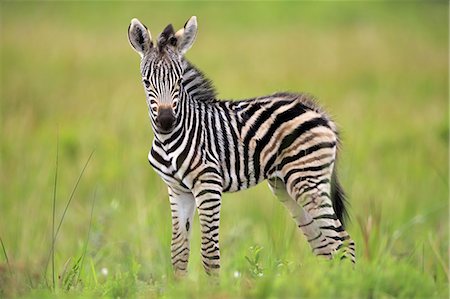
(162, 69)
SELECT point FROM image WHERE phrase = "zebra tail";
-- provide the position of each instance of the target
(338, 199)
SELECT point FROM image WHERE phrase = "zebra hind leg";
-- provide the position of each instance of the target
(330, 238)
(303, 219)
(325, 235)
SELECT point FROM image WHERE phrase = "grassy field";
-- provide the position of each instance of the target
(70, 79)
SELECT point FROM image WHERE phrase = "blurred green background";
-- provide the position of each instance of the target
(68, 76)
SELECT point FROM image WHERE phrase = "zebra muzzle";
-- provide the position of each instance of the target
(165, 121)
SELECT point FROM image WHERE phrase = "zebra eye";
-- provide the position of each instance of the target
(174, 105)
(147, 84)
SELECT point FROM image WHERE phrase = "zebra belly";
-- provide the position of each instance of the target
(234, 182)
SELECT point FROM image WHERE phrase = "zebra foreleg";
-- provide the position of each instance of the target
(208, 195)
(182, 206)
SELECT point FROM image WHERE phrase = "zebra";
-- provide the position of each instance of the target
(204, 146)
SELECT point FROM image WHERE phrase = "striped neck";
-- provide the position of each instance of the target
(196, 85)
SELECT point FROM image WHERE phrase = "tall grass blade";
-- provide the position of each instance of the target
(94, 273)
(73, 193)
(55, 235)
(439, 258)
(6, 256)
(54, 211)
(87, 237)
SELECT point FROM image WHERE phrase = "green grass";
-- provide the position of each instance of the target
(381, 70)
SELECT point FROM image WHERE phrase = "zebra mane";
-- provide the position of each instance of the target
(167, 37)
(195, 80)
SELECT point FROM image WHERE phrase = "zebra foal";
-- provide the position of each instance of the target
(203, 147)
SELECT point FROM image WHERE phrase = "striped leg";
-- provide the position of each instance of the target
(314, 215)
(183, 207)
(303, 220)
(314, 197)
(208, 193)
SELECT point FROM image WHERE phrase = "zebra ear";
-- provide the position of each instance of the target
(186, 36)
(139, 37)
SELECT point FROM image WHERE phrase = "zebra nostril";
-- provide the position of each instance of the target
(165, 120)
